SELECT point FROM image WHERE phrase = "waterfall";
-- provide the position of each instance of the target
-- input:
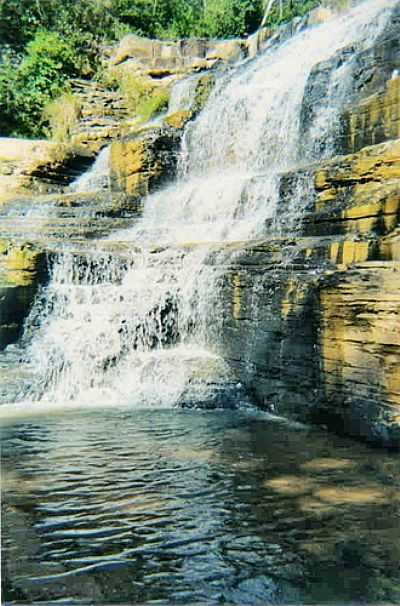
(97, 177)
(183, 94)
(143, 329)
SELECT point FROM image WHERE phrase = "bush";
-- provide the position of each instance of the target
(61, 115)
(142, 98)
(152, 105)
(179, 19)
(8, 88)
(49, 62)
(21, 19)
(82, 21)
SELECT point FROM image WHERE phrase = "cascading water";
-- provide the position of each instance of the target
(183, 94)
(144, 330)
(97, 178)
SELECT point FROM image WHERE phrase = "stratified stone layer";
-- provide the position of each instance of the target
(312, 323)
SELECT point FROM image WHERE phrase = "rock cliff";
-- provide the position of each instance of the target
(311, 323)
(317, 315)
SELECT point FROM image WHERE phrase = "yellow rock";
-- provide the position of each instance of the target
(389, 247)
(19, 264)
(24, 159)
(168, 57)
(367, 186)
(178, 119)
(360, 336)
(376, 118)
(236, 296)
(127, 163)
(376, 163)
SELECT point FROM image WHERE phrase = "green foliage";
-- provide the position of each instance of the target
(46, 42)
(134, 90)
(25, 90)
(227, 18)
(8, 90)
(142, 98)
(290, 9)
(20, 20)
(179, 19)
(139, 16)
(152, 105)
(61, 115)
(207, 18)
(84, 21)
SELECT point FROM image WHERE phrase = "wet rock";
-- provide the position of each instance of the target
(38, 166)
(178, 119)
(312, 323)
(22, 269)
(367, 94)
(142, 162)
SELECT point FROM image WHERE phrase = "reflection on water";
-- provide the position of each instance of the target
(186, 506)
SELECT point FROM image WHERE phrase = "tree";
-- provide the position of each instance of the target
(227, 18)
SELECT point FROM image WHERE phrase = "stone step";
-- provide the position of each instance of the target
(90, 204)
(63, 229)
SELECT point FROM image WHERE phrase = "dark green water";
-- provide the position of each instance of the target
(182, 507)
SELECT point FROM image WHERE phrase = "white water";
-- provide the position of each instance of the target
(142, 333)
(183, 94)
(97, 178)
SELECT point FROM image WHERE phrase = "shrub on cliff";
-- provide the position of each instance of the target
(142, 98)
(48, 63)
(61, 115)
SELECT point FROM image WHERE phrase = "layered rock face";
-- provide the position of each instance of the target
(165, 58)
(312, 317)
(37, 166)
(312, 323)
